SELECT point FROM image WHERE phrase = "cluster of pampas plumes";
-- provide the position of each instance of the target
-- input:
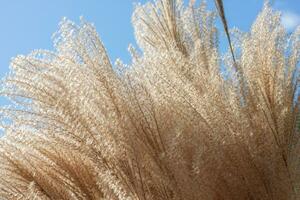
(181, 122)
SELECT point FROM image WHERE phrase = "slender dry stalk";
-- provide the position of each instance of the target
(171, 125)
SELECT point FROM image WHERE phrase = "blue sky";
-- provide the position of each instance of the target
(28, 25)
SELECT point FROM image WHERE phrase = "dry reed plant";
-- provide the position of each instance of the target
(175, 124)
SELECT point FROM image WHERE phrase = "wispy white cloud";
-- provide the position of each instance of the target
(290, 20)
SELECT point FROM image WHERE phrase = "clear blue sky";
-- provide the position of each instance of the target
(29, 24)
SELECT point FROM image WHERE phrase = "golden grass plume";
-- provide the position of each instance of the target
(174, 124)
